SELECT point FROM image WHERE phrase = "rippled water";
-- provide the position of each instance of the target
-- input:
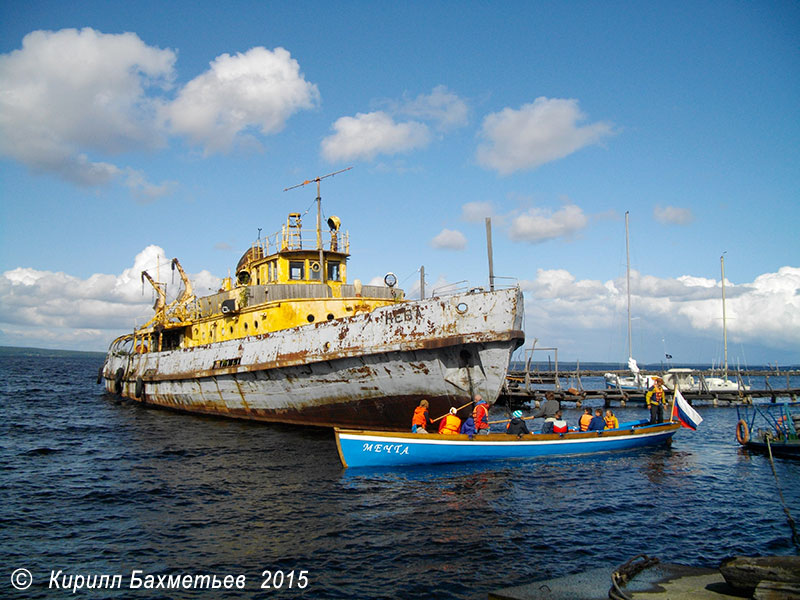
(95, 485)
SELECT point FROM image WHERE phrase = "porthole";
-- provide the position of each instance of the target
(326, 346)
(330, 317)
(461, 308)
(245, 326)
(231, 329)
(255, 324)
(310, 318)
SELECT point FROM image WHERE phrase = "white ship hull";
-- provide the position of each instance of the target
(368, 370)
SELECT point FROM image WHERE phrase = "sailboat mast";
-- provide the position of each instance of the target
(724, 320)
(628, 283)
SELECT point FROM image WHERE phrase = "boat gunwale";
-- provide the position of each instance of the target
(504, 438)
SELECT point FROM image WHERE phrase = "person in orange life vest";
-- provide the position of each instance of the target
(516, 426)
(597, 423)
(656, 399)
(421, 421)
(586, 418)
(611, 421)
(451, 423)
(559, 425)
(481, 415)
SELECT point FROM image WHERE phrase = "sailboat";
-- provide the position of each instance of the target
(683, 379)
(637, 381)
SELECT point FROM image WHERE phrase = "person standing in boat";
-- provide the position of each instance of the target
(421, 421)
(480, 415)
(451, 423)
(516, 426)
(656, 399)
(549, 407)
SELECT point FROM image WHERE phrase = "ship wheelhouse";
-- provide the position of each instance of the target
(289, 279)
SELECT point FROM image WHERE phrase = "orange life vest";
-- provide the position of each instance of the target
(584, 422)
(655, 396)
(612, 423)
(419, 416)
(450, 424)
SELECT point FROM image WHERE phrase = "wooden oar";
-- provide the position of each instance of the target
(447, 413)
(509, 420)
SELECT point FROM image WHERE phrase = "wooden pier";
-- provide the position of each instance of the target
(524, 387)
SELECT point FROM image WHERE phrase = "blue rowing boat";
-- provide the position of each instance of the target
(394, 449)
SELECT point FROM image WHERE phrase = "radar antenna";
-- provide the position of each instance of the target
(323, 274)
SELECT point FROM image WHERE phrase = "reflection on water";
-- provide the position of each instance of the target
(92, 483)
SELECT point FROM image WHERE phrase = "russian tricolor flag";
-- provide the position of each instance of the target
(683, 411)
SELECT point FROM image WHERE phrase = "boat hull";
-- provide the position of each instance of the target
(375, 449)
(369, 370)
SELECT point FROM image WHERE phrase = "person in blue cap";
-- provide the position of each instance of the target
(516, 426)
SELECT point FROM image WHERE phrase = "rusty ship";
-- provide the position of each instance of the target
(288, 339)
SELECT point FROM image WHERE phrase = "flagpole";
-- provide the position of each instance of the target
(672, 408)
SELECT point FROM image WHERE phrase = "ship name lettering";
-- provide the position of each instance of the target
(403, 315)
(400, 449)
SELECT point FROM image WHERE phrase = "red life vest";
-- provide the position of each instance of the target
(480, 415)
(419, 416)
(560, 426)
(450, 424)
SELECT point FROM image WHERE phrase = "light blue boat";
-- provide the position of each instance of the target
(395, 449)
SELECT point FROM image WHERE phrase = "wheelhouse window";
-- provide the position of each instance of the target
(333, 271)
(296, 270)
(314, 271)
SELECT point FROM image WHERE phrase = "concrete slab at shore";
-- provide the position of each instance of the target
(662, 581)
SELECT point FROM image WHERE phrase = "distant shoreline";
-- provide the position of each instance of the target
(26, 351)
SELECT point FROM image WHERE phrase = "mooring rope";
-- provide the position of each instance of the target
(795, 537)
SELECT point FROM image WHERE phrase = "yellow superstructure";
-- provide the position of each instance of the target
(282, 281)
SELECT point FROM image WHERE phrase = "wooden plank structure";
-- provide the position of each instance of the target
(526, 386)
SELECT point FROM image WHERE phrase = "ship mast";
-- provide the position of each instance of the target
(628, 282)
(323, 274)
(724, 320)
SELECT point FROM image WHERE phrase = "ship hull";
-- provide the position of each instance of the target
(368, 370)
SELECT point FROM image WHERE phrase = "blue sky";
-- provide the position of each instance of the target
(135, 130)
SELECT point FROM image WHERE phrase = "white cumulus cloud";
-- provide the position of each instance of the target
(577, 315)
(539, 224)
(367, 135)
(673, 215)
(441, 106)
(50, 309)
(73, 94)
(543, 131)
(449, 239)
(258, 89)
